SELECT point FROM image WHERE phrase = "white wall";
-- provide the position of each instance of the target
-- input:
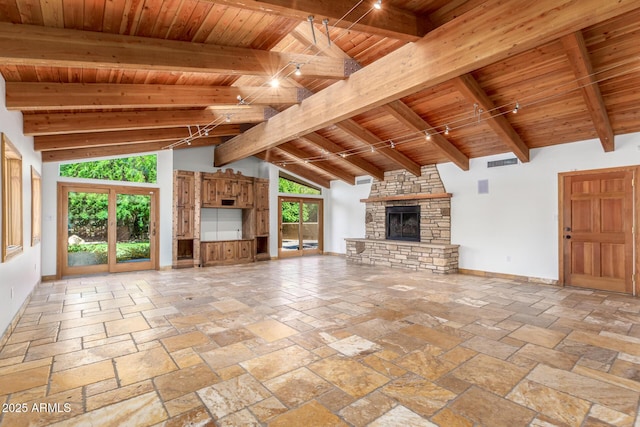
(345, 214)
(22, 272)
(50, 179)
(220, 224)
(200, 159)
(514, 228)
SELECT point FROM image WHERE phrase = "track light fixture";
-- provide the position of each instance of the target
(298, 72)
(325, 21)
(427, 135)
(275, 82)
(393, 144)
(343, 155)
(228, 118)
(373, 149)
(446, 130)
(517, 108)
(241, 100)
(377, 5)
(313, 31)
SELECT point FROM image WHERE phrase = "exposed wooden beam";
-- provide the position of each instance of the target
(79, 122)
(496, 30)
(576, 50)
(363, 135)
(55, 47)
(355, 160)
(97, 139)
(387, 22)
(75, 96)
(116, 150)
(301, 171)
(413, 121)
(323, 165)
(471, 90)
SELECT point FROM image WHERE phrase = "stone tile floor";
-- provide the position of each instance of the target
(319, 342)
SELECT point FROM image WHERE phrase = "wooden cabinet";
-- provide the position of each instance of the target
(223, 189)
(226, 252)
(227, 190)
(186, 223)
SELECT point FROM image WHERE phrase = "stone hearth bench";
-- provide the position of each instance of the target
(435, 257)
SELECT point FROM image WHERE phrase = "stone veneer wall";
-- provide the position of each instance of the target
(435, 214)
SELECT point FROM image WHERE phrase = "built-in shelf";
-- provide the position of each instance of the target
(400, 197)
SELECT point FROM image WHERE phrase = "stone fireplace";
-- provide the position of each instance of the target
(408, 224)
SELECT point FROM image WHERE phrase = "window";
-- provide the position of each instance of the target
(36, 207)
(290, 185)
(11, 161)
(128, 169)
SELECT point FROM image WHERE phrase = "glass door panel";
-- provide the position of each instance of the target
(133, 228)
(290, 226)
(300, 226)
(310, 226)
(87, 248)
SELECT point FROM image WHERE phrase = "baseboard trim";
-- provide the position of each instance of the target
(14, 322)
(527, 279)
(50, 278)
(334, 254)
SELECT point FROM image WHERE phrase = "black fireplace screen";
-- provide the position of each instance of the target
(403, 223)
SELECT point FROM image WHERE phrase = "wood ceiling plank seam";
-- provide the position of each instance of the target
(30, 12)
(132, 12)
(148, 18)
(429, 62)
(302, 157)
(166, 15)
(93, 15)
(73, 14)
(52, 13)
(112, 18)
(578, 55)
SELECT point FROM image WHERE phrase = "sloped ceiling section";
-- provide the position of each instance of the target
(361, 90)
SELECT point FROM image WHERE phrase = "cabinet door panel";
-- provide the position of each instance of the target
(244, 249)
(185, 194)
(184, 222)
(262, 223)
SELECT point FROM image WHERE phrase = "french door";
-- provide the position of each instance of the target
(598, 245)
(106, 229)
(300, 224)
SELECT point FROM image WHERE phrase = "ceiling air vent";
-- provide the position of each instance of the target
(362, 181)
(503, 162)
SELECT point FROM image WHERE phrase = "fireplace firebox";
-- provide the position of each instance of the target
(403, 223)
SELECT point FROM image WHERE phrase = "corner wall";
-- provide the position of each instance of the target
(22, 272)
(514, 228)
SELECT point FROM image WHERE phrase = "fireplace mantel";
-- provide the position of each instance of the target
(405, 197)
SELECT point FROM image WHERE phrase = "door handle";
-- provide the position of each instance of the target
(567, 237)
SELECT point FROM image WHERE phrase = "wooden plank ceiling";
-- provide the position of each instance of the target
(414, 83)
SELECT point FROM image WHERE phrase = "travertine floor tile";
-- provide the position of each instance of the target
(318, 341)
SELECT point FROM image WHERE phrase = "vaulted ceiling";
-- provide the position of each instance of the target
(416, 82)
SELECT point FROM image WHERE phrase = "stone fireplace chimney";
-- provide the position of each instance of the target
(433, 251)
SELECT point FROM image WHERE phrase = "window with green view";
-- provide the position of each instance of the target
(127, 169)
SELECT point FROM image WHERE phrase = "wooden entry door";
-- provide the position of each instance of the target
(597, 229)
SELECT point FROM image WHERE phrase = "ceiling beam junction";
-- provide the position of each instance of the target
(303, 158)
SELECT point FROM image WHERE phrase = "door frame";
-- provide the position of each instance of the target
(301, 252)
(636, 220)
(112, 191)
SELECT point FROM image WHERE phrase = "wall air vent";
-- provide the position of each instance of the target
(362, 181)
(503, 162)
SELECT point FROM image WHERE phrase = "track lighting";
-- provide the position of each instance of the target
(373, 149)
(427, 135)
(228, 118)
(393, 145)
(517, 108)
(313, 31)
(377, 5)
(275, 82)
(241, 100)
(298, 72)
(446, 130)
(206, 132)
(343, 155)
